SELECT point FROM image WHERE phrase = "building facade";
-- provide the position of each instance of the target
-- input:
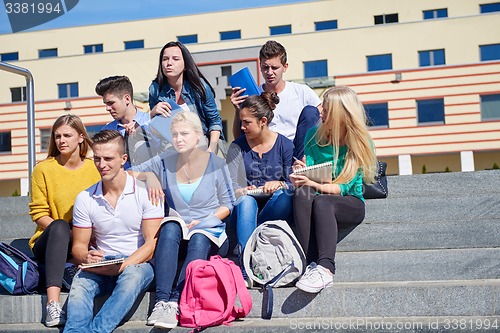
(428, 73)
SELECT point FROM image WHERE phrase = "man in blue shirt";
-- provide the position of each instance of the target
(117, 94)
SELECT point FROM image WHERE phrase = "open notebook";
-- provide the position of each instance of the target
(105, 262)
(161, 125)
(321, 173)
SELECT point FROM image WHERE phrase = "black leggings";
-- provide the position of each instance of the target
(52, 248)
(317, 219)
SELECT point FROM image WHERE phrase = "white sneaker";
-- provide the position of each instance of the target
(315, 279)
(167, 317)
(55, 315)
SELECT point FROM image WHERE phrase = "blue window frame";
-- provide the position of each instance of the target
(317, 68)
(68, 90)
(386, 18)
(490, 52)
(435, 13)
(490, 107)
(47, 53)
(431, 58)
(95, 48)
(188, 39)
(11, 56)
(377, 114)
(430, 111)
(325, 25)
(379, 62)
(233, 34)
(5, 142)
(489, 7)
(134, 44)
(280, 29)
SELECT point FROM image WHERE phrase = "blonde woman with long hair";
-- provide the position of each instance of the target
(319, 208)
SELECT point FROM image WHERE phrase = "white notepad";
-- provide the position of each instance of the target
(103, 263)
(321, 173)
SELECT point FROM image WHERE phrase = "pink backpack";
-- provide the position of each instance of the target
(209, 294)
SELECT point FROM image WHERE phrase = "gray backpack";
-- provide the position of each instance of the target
(273, 256)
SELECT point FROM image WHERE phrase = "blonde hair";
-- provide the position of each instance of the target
(76, 123)
(188, 117)
(346, 123)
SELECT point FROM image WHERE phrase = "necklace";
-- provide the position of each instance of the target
(185, 172)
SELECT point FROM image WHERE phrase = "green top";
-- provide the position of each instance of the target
(316, 154)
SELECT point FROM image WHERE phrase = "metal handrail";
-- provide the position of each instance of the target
(30, 101)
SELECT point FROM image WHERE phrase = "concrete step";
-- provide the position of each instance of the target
(487, 324)
(344, 299)
(450, 184)
(420, 235)
(420, 265)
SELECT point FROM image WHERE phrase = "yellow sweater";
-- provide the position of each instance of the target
(54, 189)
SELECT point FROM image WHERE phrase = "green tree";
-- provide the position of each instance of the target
(447, 169)
(424, 169)
(495, 166)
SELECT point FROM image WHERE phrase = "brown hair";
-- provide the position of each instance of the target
(116, 85)
(272, 49)
(106, 136)
(262, 105)
(76, 123)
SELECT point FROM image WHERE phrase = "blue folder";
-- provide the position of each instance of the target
(244, 79)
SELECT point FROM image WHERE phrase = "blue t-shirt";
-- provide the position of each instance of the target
(248, 168)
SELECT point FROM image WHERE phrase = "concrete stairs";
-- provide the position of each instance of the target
(427, 259)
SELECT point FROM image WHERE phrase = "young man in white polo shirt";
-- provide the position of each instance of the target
(111, 219)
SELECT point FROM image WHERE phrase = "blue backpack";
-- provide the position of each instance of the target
(18, 273)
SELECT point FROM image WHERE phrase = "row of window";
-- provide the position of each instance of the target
(65, 90)
(431, 111)
(274, 30)
(312, 69)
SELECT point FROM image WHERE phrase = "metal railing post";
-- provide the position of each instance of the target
(30, 101)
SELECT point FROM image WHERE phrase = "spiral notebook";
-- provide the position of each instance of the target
(105, 262)
(321, 173)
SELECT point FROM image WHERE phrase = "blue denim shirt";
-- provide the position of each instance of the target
(207, 111)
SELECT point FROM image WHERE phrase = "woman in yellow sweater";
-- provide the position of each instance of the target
(55, 183)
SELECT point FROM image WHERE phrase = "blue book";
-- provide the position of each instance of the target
(160, 125)
(244, 79)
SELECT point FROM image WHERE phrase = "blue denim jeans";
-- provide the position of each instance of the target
(167, 257)
(124, 288)
(247, 215)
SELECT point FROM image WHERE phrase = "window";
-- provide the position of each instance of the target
(386, 18)
(12, 56)
(134, 44)
(234, 34)
(68, 90)
(280, 30)
(435, 13)
(431, 58)
(377, 114)
(379, 62)
(188, 39)
(430, 111)
(44, 139)
(490, 7)
(47, 53)
(318, 68)
(325, 25)
(226, 71)
(490, 107)
(490, 52)
(18, 94)
(95, 48)
(5, 142)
